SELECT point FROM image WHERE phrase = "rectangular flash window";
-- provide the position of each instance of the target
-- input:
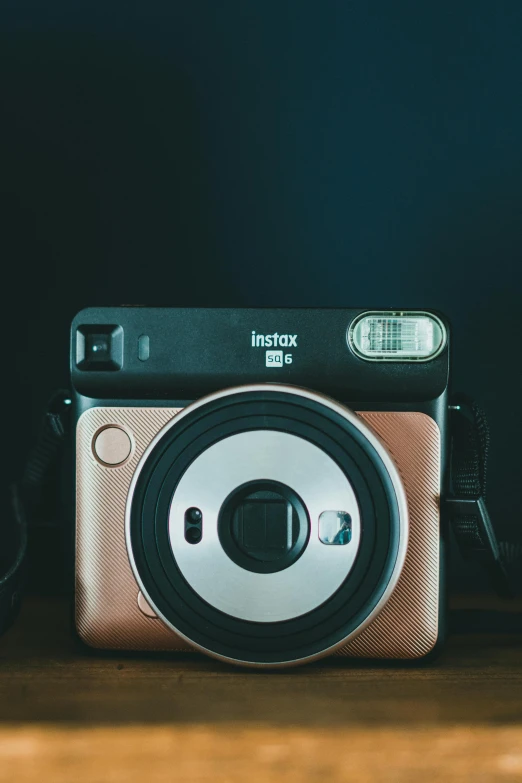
(397, 336)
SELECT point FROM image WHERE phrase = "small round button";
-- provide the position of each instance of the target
(112, 446)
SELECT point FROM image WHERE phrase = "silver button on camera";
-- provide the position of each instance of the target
(112, 446)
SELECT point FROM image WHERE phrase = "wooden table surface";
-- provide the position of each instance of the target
(71, 716)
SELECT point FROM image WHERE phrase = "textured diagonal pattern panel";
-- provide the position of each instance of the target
(407, 626)
(106, 603)
(107, 613)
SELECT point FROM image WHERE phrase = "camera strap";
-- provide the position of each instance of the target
(26, 499)
(14, 549)
(466, 503)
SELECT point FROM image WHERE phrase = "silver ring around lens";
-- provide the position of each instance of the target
(252, 456)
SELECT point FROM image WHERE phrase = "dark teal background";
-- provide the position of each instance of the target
(275, 152)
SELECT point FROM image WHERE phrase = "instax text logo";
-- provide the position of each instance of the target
(274, 340)
(275, 358)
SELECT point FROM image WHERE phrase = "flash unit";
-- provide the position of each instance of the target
(397, 336)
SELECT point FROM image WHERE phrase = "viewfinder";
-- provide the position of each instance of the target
(99, 347)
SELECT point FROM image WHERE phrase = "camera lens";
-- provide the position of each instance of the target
(194, 514)
(263, 526)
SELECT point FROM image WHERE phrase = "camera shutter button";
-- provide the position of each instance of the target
(112, 446)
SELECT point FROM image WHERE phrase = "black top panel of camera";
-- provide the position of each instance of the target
(183, 353)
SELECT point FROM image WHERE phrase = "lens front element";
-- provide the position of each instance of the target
(263, 526)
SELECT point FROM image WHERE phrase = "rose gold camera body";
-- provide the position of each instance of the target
(111, 610)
